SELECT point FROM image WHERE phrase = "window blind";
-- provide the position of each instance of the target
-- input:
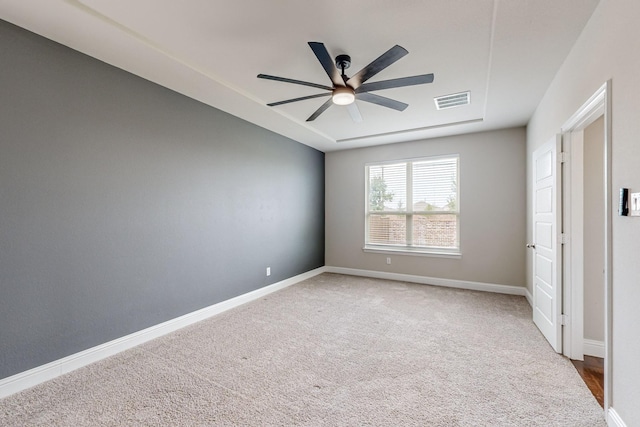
(413, 204)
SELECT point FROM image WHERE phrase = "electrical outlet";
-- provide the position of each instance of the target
(388, 260)
(268, 271)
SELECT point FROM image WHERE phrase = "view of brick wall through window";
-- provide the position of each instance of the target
(413, 204)
(428, 230)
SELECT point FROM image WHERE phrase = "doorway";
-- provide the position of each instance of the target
(593, 241)
(585, 208)
(586, 218)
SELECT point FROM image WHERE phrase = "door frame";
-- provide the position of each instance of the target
(573, 248)
(598, 105)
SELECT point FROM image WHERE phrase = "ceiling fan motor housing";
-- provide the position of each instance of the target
(343, 62)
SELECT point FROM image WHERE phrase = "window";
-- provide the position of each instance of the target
(413, 206)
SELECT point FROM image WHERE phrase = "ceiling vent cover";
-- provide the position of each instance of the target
(453, 100)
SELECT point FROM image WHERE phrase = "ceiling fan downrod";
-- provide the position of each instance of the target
(343, 62)
(343, 95)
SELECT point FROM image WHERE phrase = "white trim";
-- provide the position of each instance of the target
(593, 348)
(614, 420)
(424, 280)
(589, 111)
(529, 297)
(608, 266)
(40, 374)
(599, 104)
(408, 212)
(405, 251)
(573, 249)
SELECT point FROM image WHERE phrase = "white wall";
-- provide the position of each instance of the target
(492, 208)
(608, 49)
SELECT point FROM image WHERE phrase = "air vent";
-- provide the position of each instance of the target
(453, 100)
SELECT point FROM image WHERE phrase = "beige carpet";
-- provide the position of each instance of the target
(333, 350)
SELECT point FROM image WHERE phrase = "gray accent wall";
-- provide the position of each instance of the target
(124, 204)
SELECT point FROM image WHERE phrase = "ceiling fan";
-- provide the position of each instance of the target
(345, 90)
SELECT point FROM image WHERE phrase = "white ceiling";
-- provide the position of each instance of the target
(506, 52)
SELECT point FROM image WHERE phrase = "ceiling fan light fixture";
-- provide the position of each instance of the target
(343, 96)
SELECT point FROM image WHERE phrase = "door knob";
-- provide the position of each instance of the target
(531, 245)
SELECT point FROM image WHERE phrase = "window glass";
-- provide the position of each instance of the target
(413, 205)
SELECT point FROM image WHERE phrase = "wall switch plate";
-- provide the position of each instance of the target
(268, 271)
(634, 205)
(388, 260)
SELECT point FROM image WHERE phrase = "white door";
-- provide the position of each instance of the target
(547, 304)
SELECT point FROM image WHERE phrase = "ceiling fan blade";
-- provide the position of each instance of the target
(327, 62)
(320, 110)
(354, 112)
(298, 82)
(379, 64)
(393, 83)
(303, 98)
(381, 100)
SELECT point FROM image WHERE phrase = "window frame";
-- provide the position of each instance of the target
(408, 248)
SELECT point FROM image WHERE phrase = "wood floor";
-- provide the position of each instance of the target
(592, 373)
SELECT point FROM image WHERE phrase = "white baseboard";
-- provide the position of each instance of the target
(593, 348)
(613, 419)
(449, 283)
(35, 376)
(529, 297)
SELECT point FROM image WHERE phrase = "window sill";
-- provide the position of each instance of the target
(412, 252)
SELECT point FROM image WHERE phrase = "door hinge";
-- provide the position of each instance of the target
(563, 157)
(564, 320)
(563, 239)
